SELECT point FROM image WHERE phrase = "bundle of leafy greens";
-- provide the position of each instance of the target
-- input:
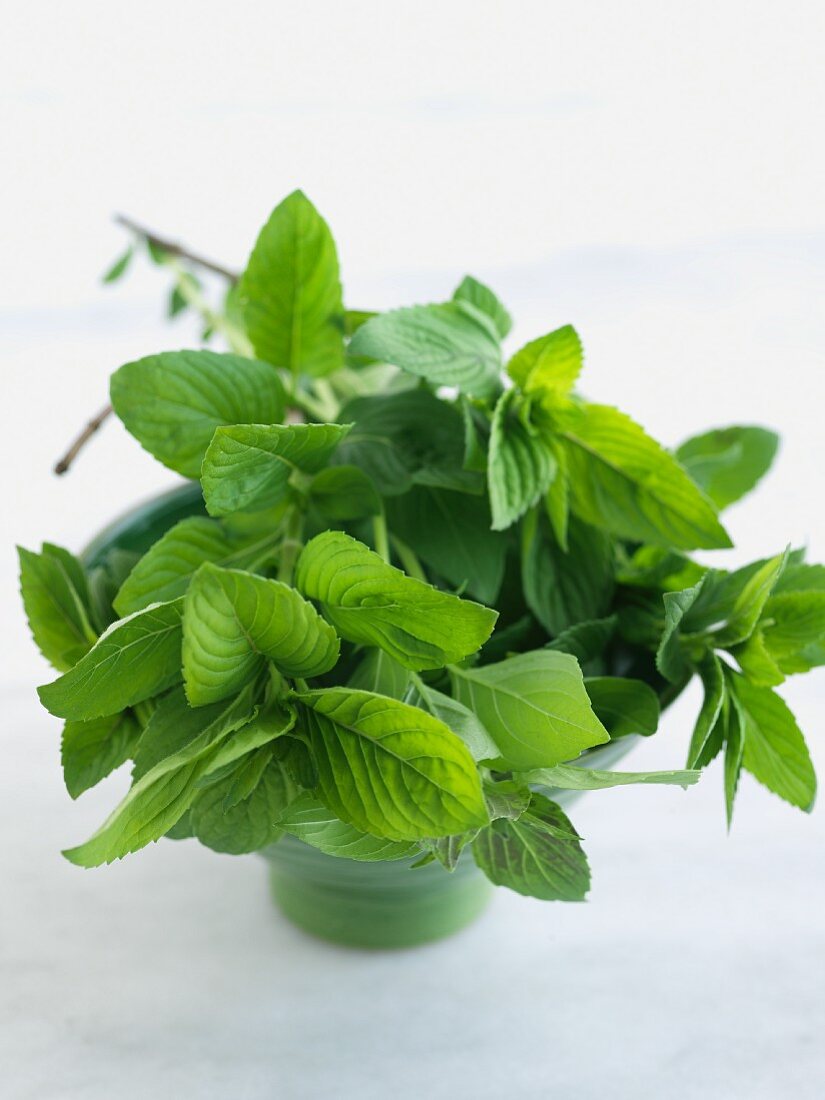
(426, 579)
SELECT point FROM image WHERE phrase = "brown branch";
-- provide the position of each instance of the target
(94, 425)
(175, 249)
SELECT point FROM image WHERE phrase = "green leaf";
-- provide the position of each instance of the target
(713, 684)
(521, 464)
(557, 498)
(565, 588)
(234, 622)
(381, 674)
(247, 467)
(624, 706)
(775, 752)
(136, 658)
(456, 716)
(670, 657)
(371, 602)
(165, 570)
(391, 769)
(728, 462)
(172, 725)
(342, 493)
(443, 343)
(622, 480)
(119, 267)
(570, 777)
(547, 368)
(538, 855)
(91, 750)
(451, 533)
(507, 798)
(800, 577)
(750, 600)
(290, 293)
(734, 750)
(309, 820)
(163, 795)
(173, 402)
(791, 622)
(55, 598)
(586, 640)
(477, 294)
(756, 661)
(534, 706)
(250, 823)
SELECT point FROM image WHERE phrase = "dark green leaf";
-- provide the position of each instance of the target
(713, 683)
(344, 492)
(55, 597)
(91, 750)
(119, 267)
(586, 640)
(624, 706)
(248, 824)
(671, 660)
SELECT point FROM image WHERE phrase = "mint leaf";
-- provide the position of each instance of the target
(248, 824)
(451, 533)
(586, 640)
(713, 684)
(374, 603)
(471, 291)
(728, 462)
(521, 464)
(55, 598)
(534, 706)
(381, 674)
(344, 492)
(571, 777)
(671, 660)
(91, 750)
(391, 769)
(538, 855)
(757, 662)
(460, 719)
(622, 480)
(247, 467)
(623, 705)
(557, 498)
(290, 293)
(165, 570)
(234, 622)
(791, 623)
(136, 658)
(734, 750)
(547, 368)
(442, 343)
(173, 402)
(750, 599)
(309, 820)
(119, 267)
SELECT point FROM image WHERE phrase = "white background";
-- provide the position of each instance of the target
(651, 172)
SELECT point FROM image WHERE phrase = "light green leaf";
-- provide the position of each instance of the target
(290, 293)
(670, 657)
(248, 824)
(800, 577)
(508, 798)
(247, 467)
(565, 588)
(538, 855)
(534, 706)
(622, 480)
(309, 820)
(119, 267)
(713, 683)
(234, 622)
(547, 368)
(570, 777)
(442, 343)
(173, 402)
(791, 622)
(371, 602)
(756, 661)
(750, 600)
(456, 716)
(344, 492)
(165, 570)
(477, 294)
(136, 658)
(623, 705)
(91, 750)
(391, 769)
(728, 462)
(774, 748)
(451, 533)
(521, 464)
(56, 597)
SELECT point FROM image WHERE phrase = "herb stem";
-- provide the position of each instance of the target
(380, 536)
(291, 546)
(409, 560)
(172, 248)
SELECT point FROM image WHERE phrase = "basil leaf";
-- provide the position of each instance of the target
(728, 462)
(309, 820)
(521, 464)
(571, 777)
(586, 640)
(290, 293)
(391, 769)
(538, 855)
(173, 402)
(56, 598)
(136, 658)
(443, 343)
(622, 480)
(471, 291)
(456, 716)
(534, 706)
(91, 750)
(247, 467)
(451, 533)
(344, 492)
(547, 368)
(234, 622)
(381, 674)
(374, 603)
(248, 824)
(165, 570)
(624, 706)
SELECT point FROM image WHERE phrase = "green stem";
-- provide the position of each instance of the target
(143, 712)
(380, 536)
(409, 560)
(291, 546)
